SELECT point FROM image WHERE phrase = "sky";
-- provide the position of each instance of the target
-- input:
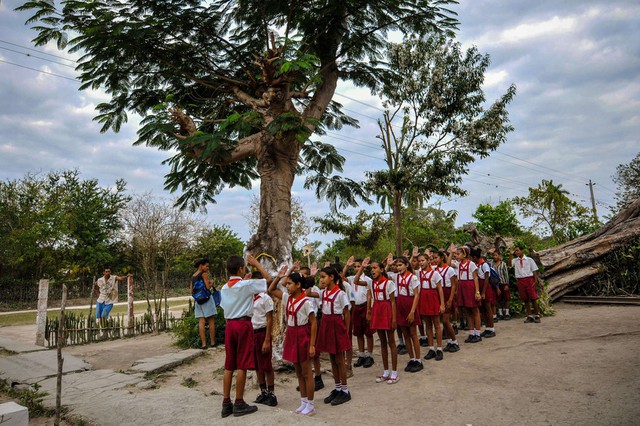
(576, 65)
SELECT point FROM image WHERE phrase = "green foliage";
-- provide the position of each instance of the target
(185, 330)
(628, 179)
(30, 398)
(498, 220)
(216, 244)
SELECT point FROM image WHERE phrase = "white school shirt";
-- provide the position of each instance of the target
(414, 283)
(303, 314)
(360, 291)
(447, 273)
(340, 302)
(348, 289)
(466, 274)
(237, 300)
(391, 289)
(430, 278)
(262, 304)
(525, 266)
(482, 270)
(315, 301)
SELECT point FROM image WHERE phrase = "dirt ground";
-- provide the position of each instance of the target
(580, 366)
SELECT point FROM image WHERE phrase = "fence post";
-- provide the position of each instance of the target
(41, 319)
(130, 319)
(61, 342)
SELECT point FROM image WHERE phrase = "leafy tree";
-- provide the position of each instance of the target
(554, 212)
(215, 243)
(628, 179)
(437, 93)
(496, 220)
(234, 100)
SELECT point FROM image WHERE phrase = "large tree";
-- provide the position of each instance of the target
(436, 122)
(235, 88)
(628, 179)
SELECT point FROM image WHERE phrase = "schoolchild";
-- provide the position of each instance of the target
(527, 277)
(333, 337)
(390, 270)
(469, 296)
(431, 305)
(360, 325)
(313, 293)
(505, 296)
(237, 302)
(486, 292)
(449, 289)
(299, 340)
(262, 322)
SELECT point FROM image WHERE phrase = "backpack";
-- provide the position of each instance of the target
(201, 293)
(494, 277)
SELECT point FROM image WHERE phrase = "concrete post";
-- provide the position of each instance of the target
(130, 316)
(41, 319)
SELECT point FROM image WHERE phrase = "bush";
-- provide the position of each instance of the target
(185, 330)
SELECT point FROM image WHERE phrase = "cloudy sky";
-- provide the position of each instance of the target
(576, 65)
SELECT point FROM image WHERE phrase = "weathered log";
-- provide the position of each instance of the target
(572, 264)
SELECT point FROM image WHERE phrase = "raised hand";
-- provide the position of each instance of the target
(415, 252)
(314, 269)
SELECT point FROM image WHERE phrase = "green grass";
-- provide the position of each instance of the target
(30, 317)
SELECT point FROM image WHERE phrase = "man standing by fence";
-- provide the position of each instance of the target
(106, 288)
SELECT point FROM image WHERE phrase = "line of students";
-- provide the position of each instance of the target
(394, 298)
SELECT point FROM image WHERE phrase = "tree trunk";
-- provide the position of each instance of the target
(397, 220)
(570, 265)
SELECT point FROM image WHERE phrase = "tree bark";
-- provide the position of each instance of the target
(571, 265)
(397, 219)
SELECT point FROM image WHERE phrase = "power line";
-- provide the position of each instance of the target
(40, 71)
(36, 50)
(360, 102)
(38, 57)
(580, 179)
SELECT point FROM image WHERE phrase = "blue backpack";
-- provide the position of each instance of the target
(494, 277)
(201, 293)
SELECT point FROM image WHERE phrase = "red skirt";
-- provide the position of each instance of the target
(333, 337)
(429, 302)
(490, 295)
(296, 343)
(467, 294)
(403, 307)
(381, 315)
(446, 291)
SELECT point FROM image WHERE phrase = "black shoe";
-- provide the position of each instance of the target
(227, 409)
(409, 366)
(260, 399)
(417, 366)
(243, 409)
(341, 398)
(319, 383)
(529, 319)
(507, 317)
(536, 319)
(270, 400)
(430, 355)
(454, 347)
(483, 334)
(402, 350)
(368, 362)
(334, 393)
(501, 317)
(488, 333)
(476, 339)
(424, 342)
(447, 348)
(359, 361)
(469, 338)
(439, 355)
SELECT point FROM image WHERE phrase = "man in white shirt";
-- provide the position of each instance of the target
(106, 288)
(527, 277)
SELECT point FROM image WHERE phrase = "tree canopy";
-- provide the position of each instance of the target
(628, 179)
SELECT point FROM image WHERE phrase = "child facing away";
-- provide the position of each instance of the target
(262, 321)
(300, 338)
(237, 302)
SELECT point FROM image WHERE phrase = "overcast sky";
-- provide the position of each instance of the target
(576, 65)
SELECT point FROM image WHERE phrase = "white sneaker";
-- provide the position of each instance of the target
(301, 408)
(309, 411)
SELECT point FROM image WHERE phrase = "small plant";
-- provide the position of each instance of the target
(186, 333)
(189, 382)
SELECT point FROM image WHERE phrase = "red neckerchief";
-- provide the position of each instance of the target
(423, 274)
(256, 297)
(328, 293)
(233, 282)
(291, 303)
(464, 267)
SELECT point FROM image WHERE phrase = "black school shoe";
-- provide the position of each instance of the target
(409, 366)
(359, 362)
(417, 366)
(424, 342)
(270, 400)
(334, 393)
(243, 409)
(368, 362)
(475, 339)
(402, 350)
(430, 355)
(319, 383)
(260, 399)
(439, 355)
(536, 319)
(227, 409)
(341, 398)
(488, 333)
(529, 319)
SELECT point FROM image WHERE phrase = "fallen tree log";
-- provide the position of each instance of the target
(572, 264)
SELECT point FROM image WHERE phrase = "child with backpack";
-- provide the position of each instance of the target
(205, 307)
(505, 296)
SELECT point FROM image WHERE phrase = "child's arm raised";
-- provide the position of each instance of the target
(273, 289)
(347, 265)
(254, 262)
(364, 264)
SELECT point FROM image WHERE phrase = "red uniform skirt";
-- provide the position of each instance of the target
(333, 336)
(429, 302)
(296, 343)
(446, 291)
(467, 294)
(262, 360)
(359, 320)
(403, 307)
(490, 295)
(381, 315)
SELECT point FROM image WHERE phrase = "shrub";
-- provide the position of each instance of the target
(185, 330)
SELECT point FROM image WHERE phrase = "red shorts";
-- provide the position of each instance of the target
(332, 336)
(429, 302)
(403, 307)
(262, 360)
(238, 344)
(381, 315)
(359, 321)
(296, 343)
(447, 294)
(505, 295)
(490, 295)
(467, 294)
(527, 289)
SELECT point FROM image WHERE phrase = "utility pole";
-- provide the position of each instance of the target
(593, 200)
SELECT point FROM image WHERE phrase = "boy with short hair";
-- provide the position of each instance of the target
(262, 321)
(527, 277)
(237, 302)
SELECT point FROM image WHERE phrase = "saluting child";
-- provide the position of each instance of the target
(237, 302)
(299, 341)
(469, 292)
(431, 305)
(449, 289)
(333, 337)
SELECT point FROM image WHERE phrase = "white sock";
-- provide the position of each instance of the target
(490, 328)
(500, 311)
(345, 389)
(440, 349)
(303, 405)
(506, 311)
(367, 354)
(394, 374)
(454, 342)
(431, 348)
(423, 337)
(385, 373)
